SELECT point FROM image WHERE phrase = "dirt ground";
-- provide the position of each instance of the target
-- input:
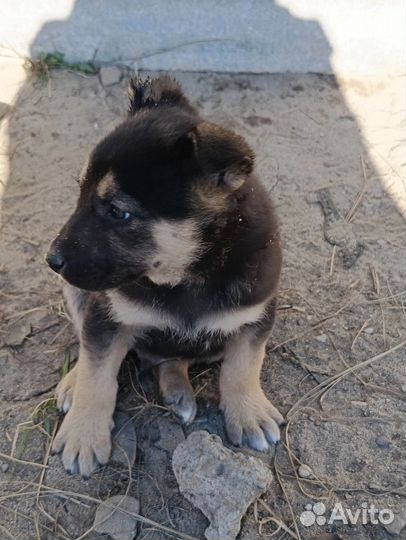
(331, 155)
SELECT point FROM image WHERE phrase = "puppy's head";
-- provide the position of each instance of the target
(147, 191)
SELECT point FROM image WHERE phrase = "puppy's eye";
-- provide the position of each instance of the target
(118, 214)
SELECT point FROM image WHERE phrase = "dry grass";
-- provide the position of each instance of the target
(360, 195)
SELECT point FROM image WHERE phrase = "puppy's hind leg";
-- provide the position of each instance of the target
(176, 389)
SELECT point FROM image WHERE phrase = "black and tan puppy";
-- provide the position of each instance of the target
(172, 251)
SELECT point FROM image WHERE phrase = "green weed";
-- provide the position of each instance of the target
(40, 67)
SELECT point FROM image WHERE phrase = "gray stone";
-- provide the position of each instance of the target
(113, 517)
(171, 434)
(305, 471)
(397, 525)
(218, 481)
(124, 440)
(110, 75)
(383, 442)
(322, 338)
(17, 333)
(5, 467)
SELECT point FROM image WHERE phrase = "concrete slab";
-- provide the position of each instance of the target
(355, 39)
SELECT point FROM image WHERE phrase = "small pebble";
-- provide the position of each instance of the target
(114, 517)
(17, 332)
(110, 75)
(369, 330)
(383, 442)
(322, 338)
(5, 467)
(404, 388)
(362, 404)
(305, 471)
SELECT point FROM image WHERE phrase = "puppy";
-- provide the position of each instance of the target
(173, 251)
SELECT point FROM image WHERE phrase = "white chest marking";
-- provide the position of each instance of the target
(133, 314)
(231, 320)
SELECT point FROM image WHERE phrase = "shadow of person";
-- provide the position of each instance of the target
(341, 298)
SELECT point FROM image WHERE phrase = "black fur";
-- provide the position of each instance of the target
(149, 93)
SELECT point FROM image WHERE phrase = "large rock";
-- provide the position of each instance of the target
(220, 482)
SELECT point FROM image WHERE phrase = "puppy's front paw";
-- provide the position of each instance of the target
(178, 396)
(251, 420)
(64, 391)
(84, 440)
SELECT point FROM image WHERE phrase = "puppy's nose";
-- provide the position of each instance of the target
(55, 261)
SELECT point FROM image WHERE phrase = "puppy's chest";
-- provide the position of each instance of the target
(192, 326)
(153, 344)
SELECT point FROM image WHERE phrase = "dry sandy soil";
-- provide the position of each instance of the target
(332, 157)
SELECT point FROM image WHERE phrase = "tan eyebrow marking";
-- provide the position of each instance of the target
(106, 185)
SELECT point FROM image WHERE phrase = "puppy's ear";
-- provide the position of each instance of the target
(186, 146)
(234, 177)
(225, 155)
(149, 93)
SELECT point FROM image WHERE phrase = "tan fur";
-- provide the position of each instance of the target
(83, 172)
(177, 245)
(89, 392)
(206, 197)
(176, 390)
(106, 185)
(246, 409)
(64, 391)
